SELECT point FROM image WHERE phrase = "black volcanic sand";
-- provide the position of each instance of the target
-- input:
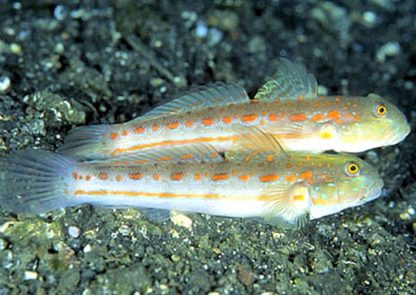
(70, 63)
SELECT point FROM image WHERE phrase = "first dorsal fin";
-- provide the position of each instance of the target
(256, 145)
(187, 153)
(290, 82)
(218, 94)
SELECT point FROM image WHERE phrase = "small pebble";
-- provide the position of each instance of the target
(30, 275)
(181, 220)
(87, 248)
(4, 83)
(73, 231)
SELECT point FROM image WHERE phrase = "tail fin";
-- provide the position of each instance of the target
(34, 181)
(86, 143)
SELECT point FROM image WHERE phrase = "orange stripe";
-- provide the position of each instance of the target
(333, 115)
(290, 178)
(165, 158)
(226, 120)
(297, 117)
(174, 142)
(187, 156)
(244, 177)
(268, 178)
(138, 130)
(218, 177)
(317, 117)
(145, 194)
(272, 117)
(249, 118)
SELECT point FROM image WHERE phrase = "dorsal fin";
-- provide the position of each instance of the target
(187, 153)
(290, 82)
(218, 94)
(256, 145)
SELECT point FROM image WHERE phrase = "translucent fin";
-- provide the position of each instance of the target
(34, 181)
(186, 153)
(287, 204)
(218, 94)
(86, 142)
(256, 145)
(290, 82)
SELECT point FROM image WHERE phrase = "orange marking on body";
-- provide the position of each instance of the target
(173, 125)
(213, 155)
(219, 177)
(352, 117)
(88, 177)
(268, 178)
(139, 162)
(165, 158)
(289, 165)
(307, 175)
(298, 198)
(174, 142)
(118, 163)
(290, 178)
(75, 175)
(156, 176)
(189, 123)
(333, 115)
(155, 127)
(226, 120)
(269, 158)
(337, 99)
(272, 117)
(263, 113)
(316, 104)
(198, 176)
(138, 130)
(135, 176)
(119, 178)
(244, 177)
(113, 135)
(300, 98)
(80, 177)
(103, 175)
(176, 176)
(146, 194)
(317, 117)
(297, 117)
(248, 118)
(207, 121)
(186, 156)
(124, 132)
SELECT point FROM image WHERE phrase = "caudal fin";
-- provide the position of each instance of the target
(34, 181)
(86, 143)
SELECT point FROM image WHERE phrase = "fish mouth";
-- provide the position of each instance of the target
(373, 192)
(400, 133)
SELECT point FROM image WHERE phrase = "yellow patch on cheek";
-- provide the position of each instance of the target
(325, 135)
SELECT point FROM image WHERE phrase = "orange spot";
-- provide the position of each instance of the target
(165, 158)
(269, 158)
(75, 175)
(187, 156)
(155, 127)
(249, 118)
(139, 162)
(138, 130)
(333, 115)
(189, 123)
(176, 176)
(272, 117)
(226, 120)
(268, 178)
(297, 117)
(173, 125)
(124, 132)
(300, 97)
(103, 175)
(198, 176)
(288, 165)
(218, 177)
(298, 198)
(135, 176)
(317, 117)
(213, 155)
(88, 177)
(113, 135)
(244, 177)
(290, 178)
(337, 99)
(119, 178)
(307, 175)
(80, 177)
(207, 122)
(156, 176)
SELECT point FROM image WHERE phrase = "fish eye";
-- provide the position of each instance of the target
(352, 169)
(380, 110)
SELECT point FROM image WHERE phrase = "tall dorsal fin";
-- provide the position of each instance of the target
(187, 153)
(218, 94)
(290, 82)
(255, 145)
